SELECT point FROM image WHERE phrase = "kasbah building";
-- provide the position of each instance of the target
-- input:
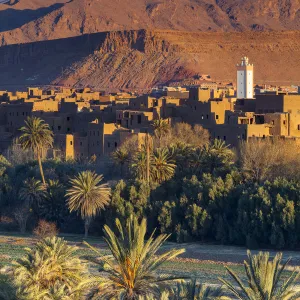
(93, 124)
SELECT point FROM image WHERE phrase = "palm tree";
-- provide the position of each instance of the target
(87, 196)
(139, 164)
(264, 278)
(161, 128)
(36, 136)
(121, 157)
(130, 271)
(51, 263)
(32, 193)
(163, 165)
(217, 155)
(189, 290)
(53, 204)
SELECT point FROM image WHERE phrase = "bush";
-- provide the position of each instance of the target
(45, 229)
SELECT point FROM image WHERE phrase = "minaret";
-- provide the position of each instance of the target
(245, 79)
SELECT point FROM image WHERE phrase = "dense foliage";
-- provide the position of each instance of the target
(186, 184)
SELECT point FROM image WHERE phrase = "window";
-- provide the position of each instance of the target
(195, 107)
(202, 117)
(68, 129)
(108, 145)
(224, 138)
(80, 143)
(299, 127)
(71, 143)
(68, 118)
(206, 116)
(116, 144)
(139, 119)
(284, 122)
(58, 127)
(273, 122)
(217, 117)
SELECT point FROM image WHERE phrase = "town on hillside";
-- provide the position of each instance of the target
(89, 124)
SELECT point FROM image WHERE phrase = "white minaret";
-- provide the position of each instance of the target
(244, 79)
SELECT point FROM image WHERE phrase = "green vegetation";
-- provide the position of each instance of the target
(87, 196)
(36, 136)
(189, 188)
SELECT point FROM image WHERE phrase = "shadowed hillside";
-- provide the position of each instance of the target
(144, 58)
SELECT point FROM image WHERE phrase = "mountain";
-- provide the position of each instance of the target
(36, 20)
(140, 59)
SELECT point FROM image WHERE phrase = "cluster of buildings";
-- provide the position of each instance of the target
(93, 124)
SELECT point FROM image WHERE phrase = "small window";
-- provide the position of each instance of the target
(202, 117)
(273, 122)
(299, 127)
(206, 116)
(139, 119)
(116, 144)
(284, 122)
(224, 138)
(58, 127)
(108, 145)
(217, 117)
(80, 143)
(68, 118)
(71, 143)
(68, 129)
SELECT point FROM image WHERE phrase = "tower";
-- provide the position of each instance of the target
(245, 79)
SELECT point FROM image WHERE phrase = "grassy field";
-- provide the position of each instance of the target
(12, 247)
(193, 263)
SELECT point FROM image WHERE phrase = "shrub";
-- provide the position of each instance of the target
(45, 229)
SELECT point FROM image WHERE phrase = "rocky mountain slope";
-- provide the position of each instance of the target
(36, 20)
(140, 59)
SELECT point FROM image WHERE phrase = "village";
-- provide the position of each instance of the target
(87, 123)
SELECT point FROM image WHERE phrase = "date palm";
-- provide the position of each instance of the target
(52, 206)
(87, 196)
(139, 164)
(161, 128)
(32, 193)
(163, 165)
(264, 279)
(121, 157)
(130, 272)
(189, 290)
(36, 136)
(217, 155)
(51, 263)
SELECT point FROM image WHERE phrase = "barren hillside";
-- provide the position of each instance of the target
(36, 20)
(144, 58)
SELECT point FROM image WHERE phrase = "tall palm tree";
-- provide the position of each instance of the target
(264, 278)
(189, 290)
(87, 196)
(36, 136)
(163, 165)
(121, 157)
(32, 193)
(130, 271)
(161, 128)
(51, 263)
